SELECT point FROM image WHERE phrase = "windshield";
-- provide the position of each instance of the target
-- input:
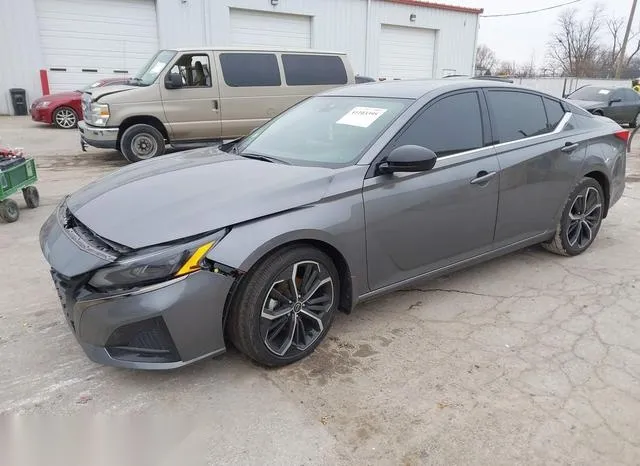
(149, 72)
(592, 93)
(324, 130)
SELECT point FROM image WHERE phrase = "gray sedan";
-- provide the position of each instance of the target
(348, 195)
(621, 104)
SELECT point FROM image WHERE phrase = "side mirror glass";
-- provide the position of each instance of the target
(408, 158)
(173, 81)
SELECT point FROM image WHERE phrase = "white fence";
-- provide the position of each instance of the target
(555, 86)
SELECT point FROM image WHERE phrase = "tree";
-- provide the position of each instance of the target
(507, 68)
(609, 54)
(485, 59)
(575, 46)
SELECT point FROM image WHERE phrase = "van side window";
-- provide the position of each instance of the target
(309, 70)
(194, 69)
(250, 69)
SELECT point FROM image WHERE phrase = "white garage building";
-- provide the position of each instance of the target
(78, 41)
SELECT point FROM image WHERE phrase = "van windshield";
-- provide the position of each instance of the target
(149, 72)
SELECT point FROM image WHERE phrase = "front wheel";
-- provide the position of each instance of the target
(581, 220)
(285, 306)
(141, 142)
(65, 118)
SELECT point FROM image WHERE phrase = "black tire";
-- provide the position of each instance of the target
(31, 196)
(141, 142)
(9, 210)
(64, 118)
(264, 339)
(634, 123)
(579, 223)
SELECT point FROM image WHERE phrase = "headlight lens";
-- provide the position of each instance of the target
(98, 114)
(156, 264)
(44, 104)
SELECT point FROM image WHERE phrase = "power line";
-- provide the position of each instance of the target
(530, 11)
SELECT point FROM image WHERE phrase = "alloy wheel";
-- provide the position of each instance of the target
(296, 308)
(65, 118)
(585, 216)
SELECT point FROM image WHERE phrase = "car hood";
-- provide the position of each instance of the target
(587, 104)
(193, 192)
(59, 96)
(98, 92)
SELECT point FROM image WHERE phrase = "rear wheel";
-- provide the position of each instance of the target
(65, 118)
(581, 220)
(141, 142)
(31, 196)
(285, 306)
(635, 122)
(9, 210)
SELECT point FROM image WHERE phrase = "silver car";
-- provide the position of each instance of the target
(348, 195)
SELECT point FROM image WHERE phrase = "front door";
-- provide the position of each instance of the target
(419, 222)
(193, 110)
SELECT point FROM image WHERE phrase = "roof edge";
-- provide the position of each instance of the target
(439, 6)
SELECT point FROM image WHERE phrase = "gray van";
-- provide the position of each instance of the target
(201, 95)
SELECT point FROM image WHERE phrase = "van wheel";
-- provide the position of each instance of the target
(141, 142)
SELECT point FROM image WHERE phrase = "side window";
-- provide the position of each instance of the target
(555, 112)
(631, 95)
(451, 125)
(516, 115)
(305, 70)
(250, 69)
(194, 69)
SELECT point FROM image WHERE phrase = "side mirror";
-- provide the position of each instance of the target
(613, 101)
(408, 158)
(173, 81)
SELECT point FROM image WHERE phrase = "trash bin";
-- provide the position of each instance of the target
(19, 101)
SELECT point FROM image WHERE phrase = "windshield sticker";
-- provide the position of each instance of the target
(361, 116)
(157, 67)
(604, 91)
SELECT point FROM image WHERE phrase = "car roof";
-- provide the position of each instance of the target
(415, 88)
(240, 48)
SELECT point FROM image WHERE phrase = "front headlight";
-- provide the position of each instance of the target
(99, 114)
(156, 264)
(44, 104)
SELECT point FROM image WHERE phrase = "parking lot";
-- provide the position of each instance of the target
(527, 359)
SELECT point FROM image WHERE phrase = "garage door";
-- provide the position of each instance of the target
(86, 40)
(257, 28)
(406, 52)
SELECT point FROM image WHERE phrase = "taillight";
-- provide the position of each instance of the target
(622, 134)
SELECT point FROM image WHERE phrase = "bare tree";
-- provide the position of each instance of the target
(485, 59)
(575, 47)
(611, 52)
(507, 68)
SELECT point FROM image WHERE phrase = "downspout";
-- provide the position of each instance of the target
(366, 40)
(475, 47)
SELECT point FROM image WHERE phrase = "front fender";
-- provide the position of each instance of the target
(338, 223)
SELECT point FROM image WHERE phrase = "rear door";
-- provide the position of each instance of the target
(193, 110)
(631, 105)
(420, 222)
(539, 158)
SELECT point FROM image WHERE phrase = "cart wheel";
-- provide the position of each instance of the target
(9, 210)
(31, 196)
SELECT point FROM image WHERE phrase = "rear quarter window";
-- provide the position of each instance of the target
(555, 112)
(309, 70)
(250, 69)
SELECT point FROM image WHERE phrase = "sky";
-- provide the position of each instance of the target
(518, 38)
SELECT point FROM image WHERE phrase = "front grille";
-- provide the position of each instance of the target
(108, 249)
(67, 289)
(145, 341)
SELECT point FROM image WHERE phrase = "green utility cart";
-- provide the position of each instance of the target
(16, 175)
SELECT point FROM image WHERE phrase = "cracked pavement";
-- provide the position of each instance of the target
(527, 359)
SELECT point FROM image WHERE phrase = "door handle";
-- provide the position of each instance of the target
(569, 146)
(483, 177)
(215, 105)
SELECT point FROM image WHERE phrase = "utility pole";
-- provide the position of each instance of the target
(623, 49)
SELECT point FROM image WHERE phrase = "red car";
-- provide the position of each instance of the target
(64, 109)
